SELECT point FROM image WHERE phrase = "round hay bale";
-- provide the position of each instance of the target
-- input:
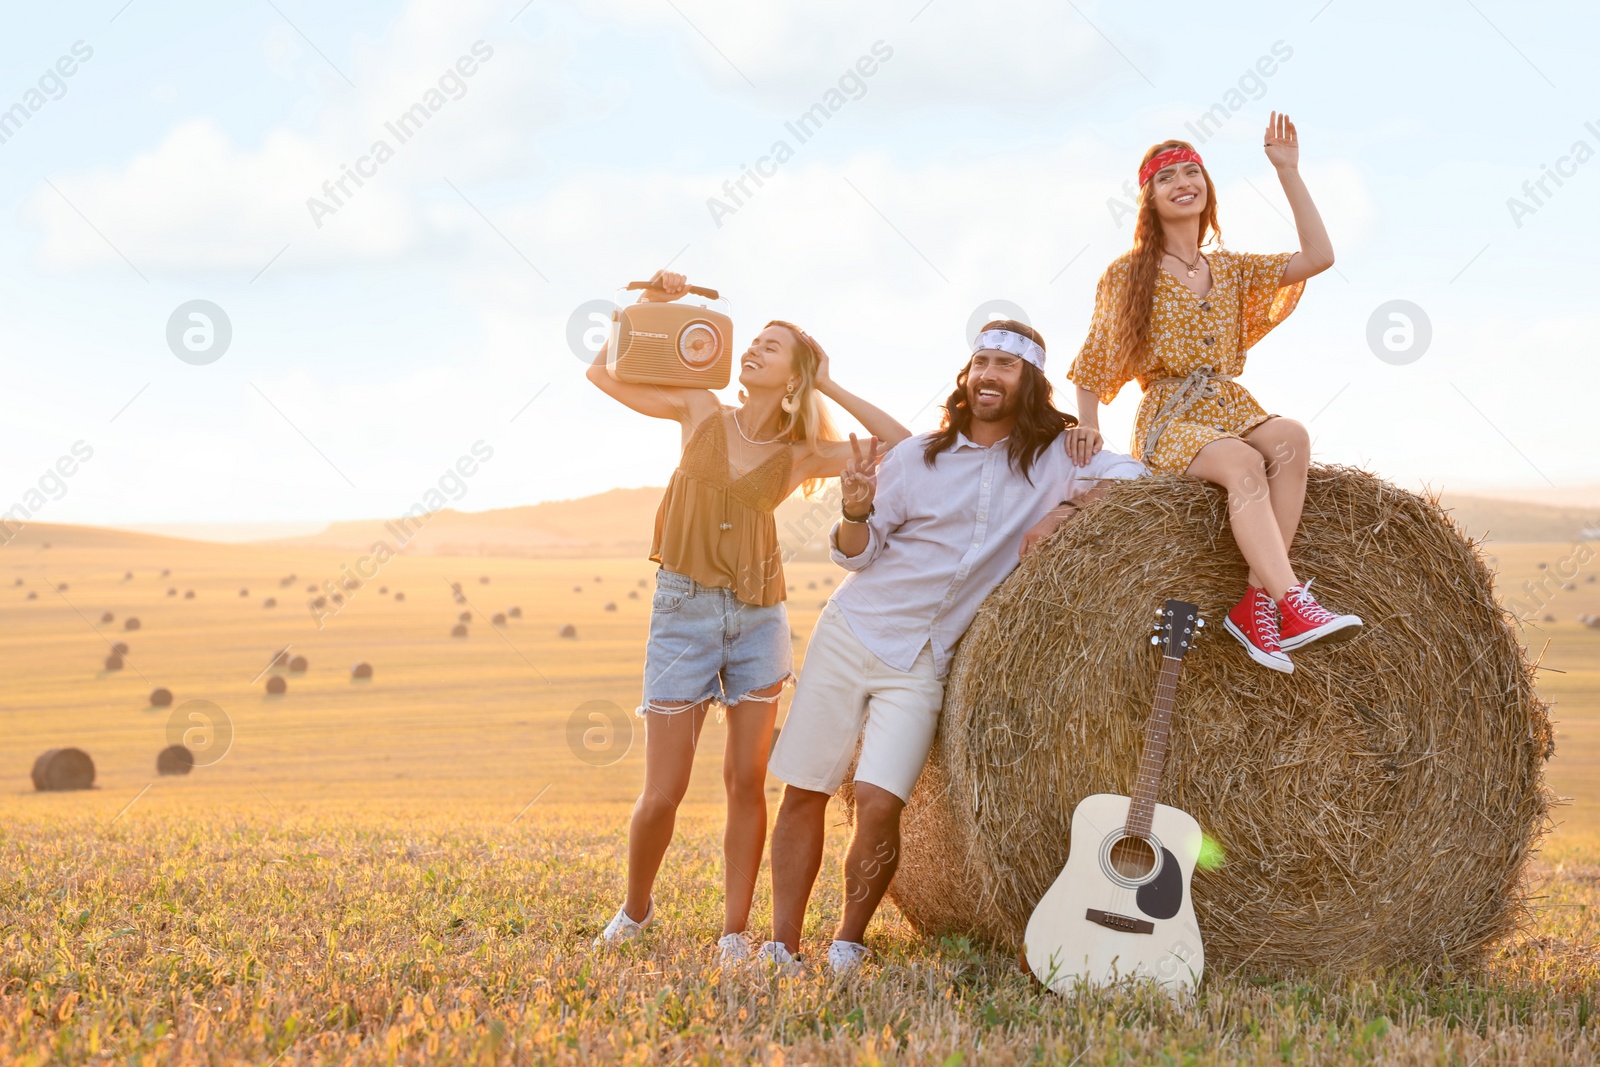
(383, 590)
(244, 592)
(597, 579)
(465, 616)
(351, 585)
(569, 631)
(277, 686)
(61, 588)
(113, 662)
(279, 658)
(188, 594)
(1592, 621)
(361, 671)
(106, 616)
(399, 597)
(643, 584)
(174, 759)
(1377, 807)
(165, 571)
(514, 613)
(127, 576)
(498, 619)
(270, 602)
(460, 599)
(319, 602)
(611, 605)
(633, 594)
(63, 768)
(17, 582)
(298, 665)
(311, 588)
(1548, 618)
(120, 648)
(31, 595)
(131, 622)
(337, 598)
(484, 580)
(172, 592)
(161, 697)
(458, 630)
(577, 589)
(455, 587)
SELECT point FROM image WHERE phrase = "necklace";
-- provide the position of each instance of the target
(1192, 268)
(747, 437)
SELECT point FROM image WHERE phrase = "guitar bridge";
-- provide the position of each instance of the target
(1126, 923)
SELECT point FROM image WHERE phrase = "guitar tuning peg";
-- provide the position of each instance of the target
(1199, 624)
(1155, 640)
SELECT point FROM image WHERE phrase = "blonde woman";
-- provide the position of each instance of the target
(719, 633)
(1180, 321)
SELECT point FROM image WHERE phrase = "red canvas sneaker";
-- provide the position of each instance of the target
(1305, 621)
(1254, 621)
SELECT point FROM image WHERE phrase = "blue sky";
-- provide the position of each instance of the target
(975, 163)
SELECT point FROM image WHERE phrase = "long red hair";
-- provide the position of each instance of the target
(1131, 327)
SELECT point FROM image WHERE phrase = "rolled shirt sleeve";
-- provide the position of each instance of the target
(1105, 465)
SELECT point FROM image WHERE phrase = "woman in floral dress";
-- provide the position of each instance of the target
(1181, 321)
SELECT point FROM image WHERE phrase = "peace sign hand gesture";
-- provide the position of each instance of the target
(1281, 142)
(858, 481)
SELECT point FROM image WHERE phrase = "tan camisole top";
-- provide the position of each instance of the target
(719, 530)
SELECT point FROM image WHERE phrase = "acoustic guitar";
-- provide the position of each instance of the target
(1121, 907)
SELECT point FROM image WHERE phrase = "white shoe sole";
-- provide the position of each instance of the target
(1341, 629)
(1278, 663)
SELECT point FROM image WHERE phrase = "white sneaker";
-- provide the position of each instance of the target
(776, 954)
(622, 928)
(733, 948)
(846, 956)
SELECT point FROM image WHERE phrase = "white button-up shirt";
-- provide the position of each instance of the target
(942, 537)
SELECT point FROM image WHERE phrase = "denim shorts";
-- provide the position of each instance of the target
(707, 644)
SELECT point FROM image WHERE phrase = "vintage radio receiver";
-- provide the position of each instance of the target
(672, 343)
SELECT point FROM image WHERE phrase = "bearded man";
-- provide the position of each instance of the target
(926, 535)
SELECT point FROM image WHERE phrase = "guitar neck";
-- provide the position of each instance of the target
(1154, 757)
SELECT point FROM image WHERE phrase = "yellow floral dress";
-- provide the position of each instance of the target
(1197, 345)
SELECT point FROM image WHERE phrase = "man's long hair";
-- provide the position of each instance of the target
(1038, 422)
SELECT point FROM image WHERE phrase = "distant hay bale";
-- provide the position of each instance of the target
(113, 662)
(161, 697)
(319, 602)
(59, 769)
(465, 616)
(399, 597)
(337, 598)
(298, 665)
(484, 580)
(351, 585)
(498, 619)
(459, 599)
(188, 594)
(174, 759)
(106, 616)
(455, 587)
(312, 588)
(17, 582)
(1591, 621)
(61, 588)
(279, 658)
(244, 592)
(1548, 618)
(633, 594)
(643, 584)
(165, 571)
(515, 613)
(131, 622)
(361, 671)
(277, 686)
(577, 589)
(270, 602)
(127, 576)
(120, 648)
(458, 630)
(611, 605)
(383, 590)
(569, 631)
(597, 579)
(1377, 807)
(31, 595)
(172, 592)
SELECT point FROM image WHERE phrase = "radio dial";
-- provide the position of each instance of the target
(697, 345)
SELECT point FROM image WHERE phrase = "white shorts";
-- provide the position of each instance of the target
(846, 693)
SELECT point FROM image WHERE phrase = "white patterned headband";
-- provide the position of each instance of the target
(1012, 342)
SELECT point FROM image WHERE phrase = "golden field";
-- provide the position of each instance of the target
(410, 870)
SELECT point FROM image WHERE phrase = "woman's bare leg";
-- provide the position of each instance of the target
(670, 741)
(1285, 447)
(1240, 469)
(744, 774)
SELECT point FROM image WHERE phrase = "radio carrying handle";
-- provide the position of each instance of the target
(697, 290)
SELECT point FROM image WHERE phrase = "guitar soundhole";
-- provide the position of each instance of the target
(1133, 858)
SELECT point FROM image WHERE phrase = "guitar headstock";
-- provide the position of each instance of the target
(1178, 624)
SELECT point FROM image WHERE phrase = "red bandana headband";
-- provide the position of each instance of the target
(1167, 159)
